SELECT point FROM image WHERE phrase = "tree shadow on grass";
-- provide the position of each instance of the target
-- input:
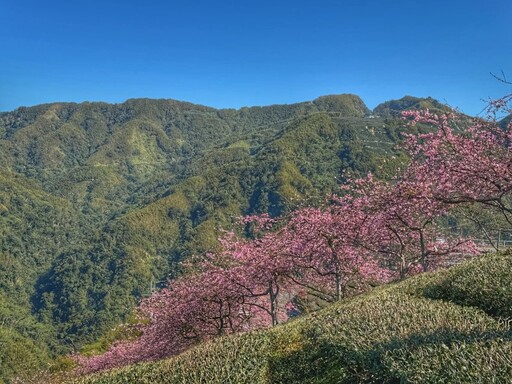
(319, 361)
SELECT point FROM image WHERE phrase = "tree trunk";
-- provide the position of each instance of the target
(273, 304)
(423, 260)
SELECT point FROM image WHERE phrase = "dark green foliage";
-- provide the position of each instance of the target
(485, 284)
(34, 226)
(393, 108)
(24, 343)
(346, 105)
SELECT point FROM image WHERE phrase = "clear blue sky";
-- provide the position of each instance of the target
(242, 53)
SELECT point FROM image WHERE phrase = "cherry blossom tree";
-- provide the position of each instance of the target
(324, 249)
(401, 223)
(464, 166)
(190, 310)
(262, 270)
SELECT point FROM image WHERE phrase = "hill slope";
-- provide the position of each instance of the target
(134, 187)
(99, 202)
(435, 328)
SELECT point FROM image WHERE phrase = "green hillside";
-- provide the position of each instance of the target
(34, 227)
(99, 202)
(299, 163)
(393, 108)
(25, 344)
(443, 327)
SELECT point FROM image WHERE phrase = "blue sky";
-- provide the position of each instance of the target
(242, 53)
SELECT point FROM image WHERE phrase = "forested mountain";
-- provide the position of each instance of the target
(99, 202)
(394, 107)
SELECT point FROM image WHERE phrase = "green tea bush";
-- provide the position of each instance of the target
(400, 333)
(484, 283)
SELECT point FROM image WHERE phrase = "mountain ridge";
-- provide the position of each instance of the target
(411, 100)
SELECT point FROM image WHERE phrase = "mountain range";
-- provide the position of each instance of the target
(100, 202)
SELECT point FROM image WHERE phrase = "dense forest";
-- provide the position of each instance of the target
(100, 203)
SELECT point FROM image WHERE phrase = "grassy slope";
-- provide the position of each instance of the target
(96, 200)
(435, 328)
(67, 166)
